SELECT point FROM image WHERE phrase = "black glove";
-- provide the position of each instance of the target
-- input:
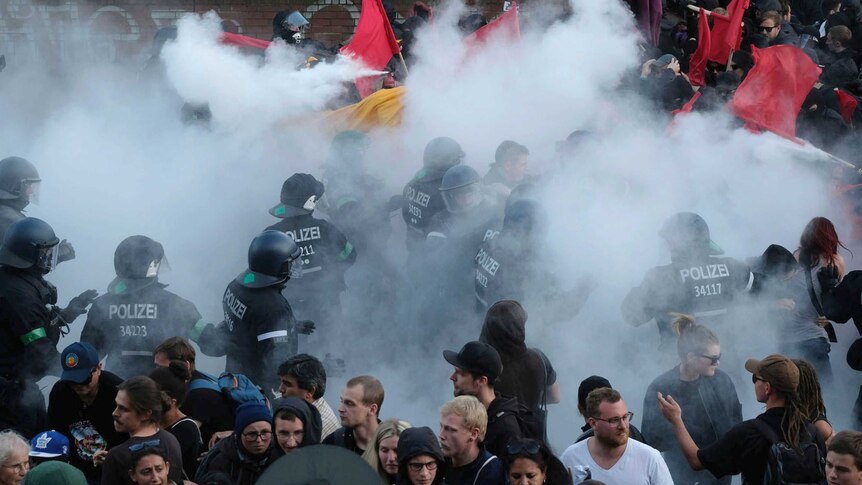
(828, 277)
(65, 251)
(305, 327)
(78, 305)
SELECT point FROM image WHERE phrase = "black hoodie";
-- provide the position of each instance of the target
(414, 442)
(503, 424)
(312, 425)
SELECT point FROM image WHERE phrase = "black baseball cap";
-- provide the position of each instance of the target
(589, 385)
(78, 360)
(478, 359)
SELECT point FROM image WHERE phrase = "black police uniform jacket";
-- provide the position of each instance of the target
(702, 285)
(422, 201)
(28, 338)
(326, 255)
(132, 319)
(261, 331)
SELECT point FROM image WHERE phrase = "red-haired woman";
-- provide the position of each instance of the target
(807, 337)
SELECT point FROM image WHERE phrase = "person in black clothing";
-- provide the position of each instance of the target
(477, 367)
(744, 449)
(527, 373)
(705, 393)
(137, 313)
(208, 407)
(696, 282)
(295, 424)
(172, 381)
(80, 405)
(259, 331)
(422, 197)
(587, 386)
(361, 401)
(30, 322)
(420, 459)
(325, 252)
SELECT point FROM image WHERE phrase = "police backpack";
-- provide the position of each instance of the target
(787, 466)
(236, 388)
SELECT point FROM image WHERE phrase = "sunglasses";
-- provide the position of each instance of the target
(754, 379)
(531, 447)
(763, 28)
(713, 359)
(145, 444)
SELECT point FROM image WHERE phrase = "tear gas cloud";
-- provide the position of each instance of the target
(116, 161)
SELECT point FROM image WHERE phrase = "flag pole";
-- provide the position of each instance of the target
(729, 60)
(403, 63)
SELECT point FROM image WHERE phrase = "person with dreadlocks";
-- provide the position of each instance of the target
(745, 448)
(811, 399)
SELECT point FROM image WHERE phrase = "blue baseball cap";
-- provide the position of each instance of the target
(49, 444)
(78, 361)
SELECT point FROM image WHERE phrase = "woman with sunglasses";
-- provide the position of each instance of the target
(531, 462)
(706, 394)
(138, 413)
(248, 452)
(420, 458)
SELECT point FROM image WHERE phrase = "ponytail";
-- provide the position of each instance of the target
(691, 337)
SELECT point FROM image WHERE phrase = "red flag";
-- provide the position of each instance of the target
(506, 25)
(373, 43)
(243, 41)
(847, 104)
(687, 107)
(772, 94)
(727, 31)
(697, 64)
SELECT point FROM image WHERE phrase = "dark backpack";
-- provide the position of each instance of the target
(235, 388)
(786, 466)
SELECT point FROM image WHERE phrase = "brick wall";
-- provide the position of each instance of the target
(122, 30)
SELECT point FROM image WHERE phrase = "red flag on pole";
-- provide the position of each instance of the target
(772, 94)
(697, 64)
(847, 104)
(727, 31)
(243, 41)
(373, 43)
(506, 25)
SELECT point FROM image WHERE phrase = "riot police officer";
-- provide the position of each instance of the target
(326, 253)
(422, 197)
(292, 27)
(19, 186)
(259, 331)
(696, 282)
(137, 313)
(30, 322)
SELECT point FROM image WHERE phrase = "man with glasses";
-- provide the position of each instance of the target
(245, 455)
(419, 456)
(610, 455)
(772, 27)
(80, 406)
(745, 449)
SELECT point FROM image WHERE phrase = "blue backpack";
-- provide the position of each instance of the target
(236, 388)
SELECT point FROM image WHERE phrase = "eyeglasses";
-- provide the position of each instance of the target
(712, 358)
(252, 436)
(417, 467)
(764, 28)
(616, 420)
(145, 444)
(754, 379)
(19, 467)
(530, 447)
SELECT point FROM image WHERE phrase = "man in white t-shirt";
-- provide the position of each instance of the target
(610, 455)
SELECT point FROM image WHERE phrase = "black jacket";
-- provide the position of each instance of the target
(343, 437)
(844, 301)
(422, 201)
(503, 425)
(418, 441)
(227, 457)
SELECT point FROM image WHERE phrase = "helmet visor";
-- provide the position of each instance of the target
(462, 199)
(46, 257)
(295, 270)
(31, 189)
(156, 266)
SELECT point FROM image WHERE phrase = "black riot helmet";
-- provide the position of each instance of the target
(29, 243)
(461, 188)
(19, 179)
(687, 233)
(138, 257)
(442, 153)
(299, 195)
(273, 258)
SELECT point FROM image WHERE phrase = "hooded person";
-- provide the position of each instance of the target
(248, 452)
(326, 253)
(290, 412)
(420, 458)
(137, 313)
(696, 282)
(527, 373)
